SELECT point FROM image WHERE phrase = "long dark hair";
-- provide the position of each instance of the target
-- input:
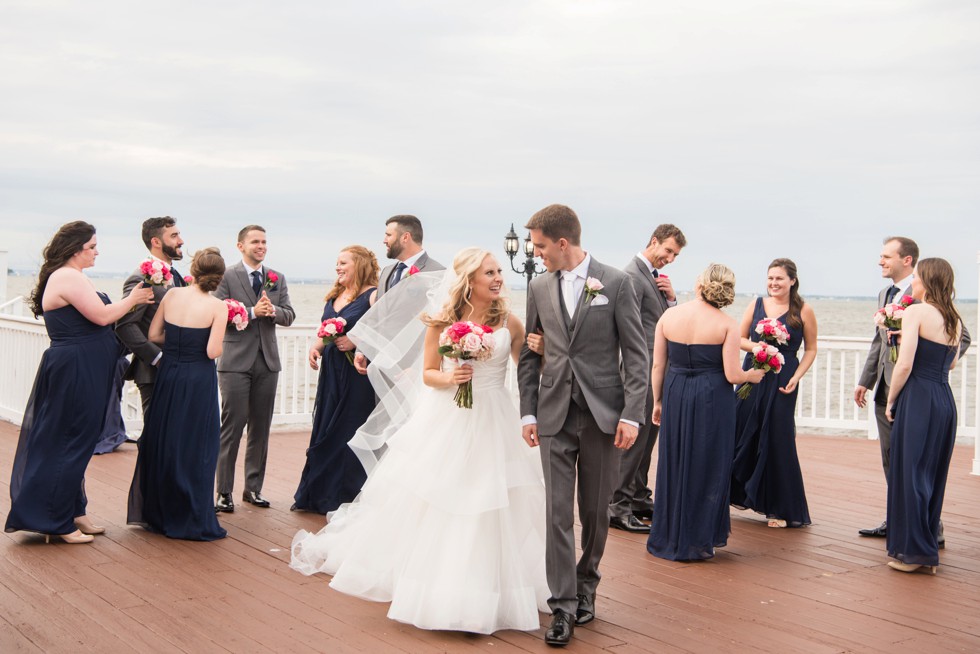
(936, 276)
(66, 242)
(794, 317)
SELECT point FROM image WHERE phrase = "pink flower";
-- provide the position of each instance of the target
(472, 343)
(466, 341)
(188, 279)
(237, 314)
(458, 330)
(271, 279)
(155, 272)
(331, 328)
(413, 270)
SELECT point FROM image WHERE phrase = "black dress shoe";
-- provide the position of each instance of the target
(643, 514)
(586, 609)
(630, 523)
(224, 503)
(254, 497)
(878, 532)
(560, 631)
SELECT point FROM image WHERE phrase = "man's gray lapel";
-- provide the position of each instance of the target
(584, 301)
(645, 272)
(246, 283)
(554, 279)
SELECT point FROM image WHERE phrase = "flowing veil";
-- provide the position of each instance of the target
(391, 335)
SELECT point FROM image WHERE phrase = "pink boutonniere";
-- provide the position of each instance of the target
(188, 279)
(271, 279)
(413, 270)
(593, 289)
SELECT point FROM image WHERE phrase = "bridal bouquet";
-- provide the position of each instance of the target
(237, 314)
(772, 331)
(330, 329)
(765, 357)
(466, 341)
(156, 272)
(890, 317)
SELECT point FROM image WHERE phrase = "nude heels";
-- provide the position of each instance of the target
(912, 567)
(86, 527)
(74, 538)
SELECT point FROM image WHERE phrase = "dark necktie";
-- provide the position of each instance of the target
(178, 280)
(397, 277)
(655, 273)
(257, 282)
(890, 294)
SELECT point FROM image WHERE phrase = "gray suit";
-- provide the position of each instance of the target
(132, 330)
(578, 395)
(633, 491)
(877, 374)
(248, 371)
(424, 264)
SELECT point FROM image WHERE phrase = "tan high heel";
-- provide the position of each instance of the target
(74, 538)
(777, 523)
(86, 527)
(912, 567)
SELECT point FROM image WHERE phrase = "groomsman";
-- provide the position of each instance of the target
(632, 498)
(162, 239)
(898, 258)
(403, 243)
(577, 404)
(248, 370)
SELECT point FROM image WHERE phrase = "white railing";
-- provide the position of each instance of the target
(825, 395)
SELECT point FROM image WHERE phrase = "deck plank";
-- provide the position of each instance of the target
(819, 589)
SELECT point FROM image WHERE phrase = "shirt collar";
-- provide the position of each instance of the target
(581, 270)
(642, 257)
(249, 269)
(903, 285)
(409, 262)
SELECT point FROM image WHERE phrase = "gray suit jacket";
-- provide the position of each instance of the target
(591, 352)
(132, 330)
(878, 363)
(652, 301)
(424, 264)
(240, 347)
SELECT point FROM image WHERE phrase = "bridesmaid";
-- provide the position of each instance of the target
(921, 405)
(344, 398)
(766, 475)
(172, 489)
(67, 406)
(696, 349)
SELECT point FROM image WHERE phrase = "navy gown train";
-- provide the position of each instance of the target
(697, 438)
(333, 475)
(766, 475)
(173, 486)
(923, 436)
(62, 423)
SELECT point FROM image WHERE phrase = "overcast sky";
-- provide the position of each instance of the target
(761, 128)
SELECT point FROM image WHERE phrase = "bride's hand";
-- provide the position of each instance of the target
(462, 373)
(535, 342)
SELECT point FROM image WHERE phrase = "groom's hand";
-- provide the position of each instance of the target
(625, 435)
(530, 434)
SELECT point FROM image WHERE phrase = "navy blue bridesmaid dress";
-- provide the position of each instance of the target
(62, 423)
(114, 431)
(697, 437)
(923, 435)
(173, 486)
(766, 475)
(333, 475)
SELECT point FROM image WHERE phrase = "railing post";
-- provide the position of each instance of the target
(3, 276)
(976, 387)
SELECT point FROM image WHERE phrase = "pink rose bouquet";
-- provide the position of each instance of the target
(765, 357)
(466, 341)
(330, 329)
(772, 331)
(890, 317)
(156, 272)
(271, 279)
(237, 314)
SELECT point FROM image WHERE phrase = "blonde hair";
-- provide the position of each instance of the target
(466, 264)
(717, 285)
(365, 272)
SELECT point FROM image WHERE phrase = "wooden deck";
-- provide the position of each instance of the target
(820, 589)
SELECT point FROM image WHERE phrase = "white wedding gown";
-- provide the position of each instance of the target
(450, 525)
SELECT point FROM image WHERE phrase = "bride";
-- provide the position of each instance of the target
(449, 526)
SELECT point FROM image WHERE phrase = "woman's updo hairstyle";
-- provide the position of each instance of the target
(717, 285)
(207, 268)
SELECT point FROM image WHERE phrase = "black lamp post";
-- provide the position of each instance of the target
(512, 245)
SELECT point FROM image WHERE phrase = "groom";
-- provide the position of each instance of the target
(577, 405)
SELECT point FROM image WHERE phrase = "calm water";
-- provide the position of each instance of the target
(835, 316)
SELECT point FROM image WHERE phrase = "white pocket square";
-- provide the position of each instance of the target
(599, 300)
